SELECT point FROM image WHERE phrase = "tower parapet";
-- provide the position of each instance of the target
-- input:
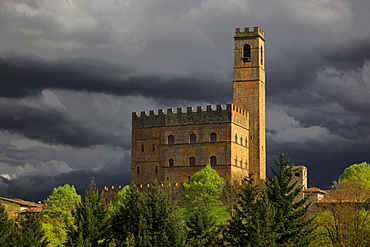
(256, 31)
(212, 114)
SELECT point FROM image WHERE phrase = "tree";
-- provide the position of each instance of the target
(28, 231)
(147, 219)
(344, 219)
(127, 223)
(270, 215)
(119, 199)
(251, 224)
(203, 189)
(282, 194)
(57, 216)
(202, 208)
(63, 197)
(355, 177)
(90, 219)
(6, 227)
(342, 223)
(202, 228)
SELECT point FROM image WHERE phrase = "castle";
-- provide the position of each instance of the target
(171, 146)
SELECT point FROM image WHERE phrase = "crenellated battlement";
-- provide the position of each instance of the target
(256, 31)
(111, 188)
(218, 113)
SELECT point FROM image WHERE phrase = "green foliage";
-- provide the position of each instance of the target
(28, 232)
(202, 228)
(205, 187)
(252, 224)
(282, 194)
(346, 220)
(55, 223)
(6, 227)
(146, 219)
(202, 208)
(90, 219)
(119, 199)
(355, 177)
(63, 197)
(271, 216)
(57, 216)
(127, 222)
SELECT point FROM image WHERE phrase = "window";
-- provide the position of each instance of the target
(213, 160)
(171, 139)
(142, 148)
(170, 163)
(297, 174)
(192, 161)
(138, 170)
(246, 141)
(236, 137)
(213, 137)
(246, 53)
(156, 169)
(261, 55)
(193, 138)
(236, 161)
(241, 140)
(246, 165)
(153, 147)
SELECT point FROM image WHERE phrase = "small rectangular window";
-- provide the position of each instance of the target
(153, 147)
(142, 148)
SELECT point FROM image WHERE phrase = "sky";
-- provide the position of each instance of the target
(73, 71)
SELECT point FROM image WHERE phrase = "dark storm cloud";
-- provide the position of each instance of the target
(325, 88)
(38, 187)
(26, 76)
(53, 127)
(350, 55)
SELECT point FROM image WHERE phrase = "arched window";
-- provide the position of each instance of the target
(213, 137)
(236, 137)
(156, 169)
(171, 139)
(171, 163)
(246, 141)
(236, 161)
(246, 165)
(241, 140)
(213, 160)
(241, 162)
(138, 170)
(246, 53)
(193, 138)
(192, 161)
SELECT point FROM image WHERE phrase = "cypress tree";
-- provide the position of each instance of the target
(90, 219)
(127, 224)
(289, 225)
(252, 223)
(146, 219)
(271, 216)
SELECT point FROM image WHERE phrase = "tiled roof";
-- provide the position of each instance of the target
(314, 190)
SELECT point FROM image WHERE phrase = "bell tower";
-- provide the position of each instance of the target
(249, 92)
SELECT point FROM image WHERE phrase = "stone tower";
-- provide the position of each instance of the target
(171, 146)
(249, 92)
